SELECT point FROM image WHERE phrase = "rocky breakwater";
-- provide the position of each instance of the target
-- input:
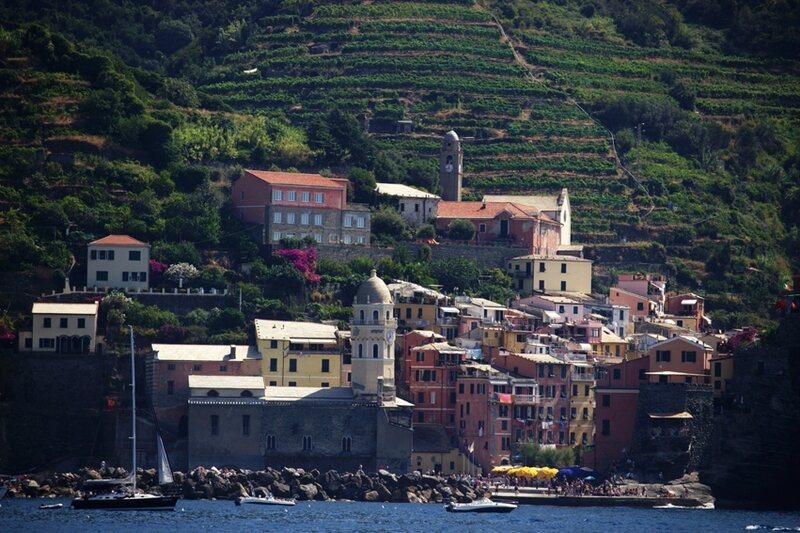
(228, 484)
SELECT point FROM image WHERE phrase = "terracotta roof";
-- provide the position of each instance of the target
(488, 210)
(119, 240)
(295, 178)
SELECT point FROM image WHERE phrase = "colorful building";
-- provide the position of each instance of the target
(680, 359)
(289, 204)
(119, 262)
(543, 273)
(556, 207)
(299, 354)
(432, 375)
(64, 328)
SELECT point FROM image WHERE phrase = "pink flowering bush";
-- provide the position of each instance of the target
(304, 260)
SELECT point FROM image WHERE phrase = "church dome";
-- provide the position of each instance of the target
(451, 135)
(373, 291)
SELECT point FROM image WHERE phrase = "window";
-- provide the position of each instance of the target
(361, 222)
(47, 322)
(461, 388)
(640, 306)
(62, 322)
(245, 425)
(334, 237)
(102, 254)
(125, 276)
(273, 364)
(246, 394)
(304, 219)
(276, 236)
(416, 208)
(215, 424)
(305, 197)
(326, 365)
(347, 443)
(102, 275)
(717, 370)
(542, 267)
(308, 444)
(563, 285)
(223, 368)
(171, 366)
(93, 255)
(541, 284)
(717, 384)
(273, 344)
(616, 373)
(573, 413)
(420, 397)
(290, 218)
(563, 268)
(292, 365)
(47, 343)
(273, 383)
(606, 400)
(402, 207)
(170, 387)
(318, 237)
(293, 384)
(197, 368)
(606, 428)
(348, 221)
(482, 228)
(270, 442)
(277, 196)
(662, 356)
(374, 351)
(317, 220)
(291, 196)
(277, 217)
(560, 308)
(689, 357)
(134, 255)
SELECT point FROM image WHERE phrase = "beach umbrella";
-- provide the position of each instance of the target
(501, 469)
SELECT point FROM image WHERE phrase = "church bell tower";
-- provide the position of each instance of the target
(372, 339)
(450, 167)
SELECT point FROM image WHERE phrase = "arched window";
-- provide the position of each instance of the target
(361, 314)
(375, 315)
(213, 393)
(347, 443)
(387, 314)
(374, 351)
(360, 350)
(246, 394)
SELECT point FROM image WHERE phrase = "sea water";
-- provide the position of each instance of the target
(317, 517)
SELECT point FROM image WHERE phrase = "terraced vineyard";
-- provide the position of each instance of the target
(444, 65)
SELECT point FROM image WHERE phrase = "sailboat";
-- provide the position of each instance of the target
(121, 494)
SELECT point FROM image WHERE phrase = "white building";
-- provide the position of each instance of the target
(416, 207)
(118, 261)
(61, 328)
(372, 338)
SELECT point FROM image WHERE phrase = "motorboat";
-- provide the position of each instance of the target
(122, 494)
(51, 506)
(480, 506)
(262, 496)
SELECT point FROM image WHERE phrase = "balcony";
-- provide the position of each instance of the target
(447, 321)
(518, 399)
(582, 376)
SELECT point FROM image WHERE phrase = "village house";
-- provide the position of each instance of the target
(432, 374)
(542, 273)
(63, 328)
(287, 204)
(503, 223)
(687, 310)
(680, 359)
(118, 262)
(558, 208)
(415, 206)
(641, 307)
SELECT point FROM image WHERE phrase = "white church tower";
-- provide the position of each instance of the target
(372, 339)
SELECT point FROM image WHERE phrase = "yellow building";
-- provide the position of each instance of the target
(299, 354)
(611, 345)
(543, 273)
(515, 340)
(581, 404)
(415, 306)
(721, 374)
(493, 336)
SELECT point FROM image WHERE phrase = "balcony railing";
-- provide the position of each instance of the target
(582, 376)
(372, 322)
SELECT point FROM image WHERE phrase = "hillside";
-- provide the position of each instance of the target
(703, 108)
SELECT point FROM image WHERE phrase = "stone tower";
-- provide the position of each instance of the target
(450, 167)
(372, 339)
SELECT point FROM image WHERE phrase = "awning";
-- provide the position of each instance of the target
(552, 315)
(670, 416)
(691, 301)
(450, 310)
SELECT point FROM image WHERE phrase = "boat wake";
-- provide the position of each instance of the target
(757, 527)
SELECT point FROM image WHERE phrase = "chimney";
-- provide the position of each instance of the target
(233, 351)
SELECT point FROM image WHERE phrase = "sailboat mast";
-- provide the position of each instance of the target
(133, 408)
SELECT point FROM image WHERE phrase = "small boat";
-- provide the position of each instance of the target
(480, 506)
(262, 496)
(51, 506)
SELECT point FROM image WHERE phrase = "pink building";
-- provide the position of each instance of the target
(679, 359)
(288, 204)
(504, 223)
(688, 310)
(641, 306)
(432, 375)
(616, 400)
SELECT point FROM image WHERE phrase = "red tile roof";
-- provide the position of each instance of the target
(296, 178)
(119, 240)
(488, 210)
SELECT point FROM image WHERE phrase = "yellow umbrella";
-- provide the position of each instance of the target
(499, 469)
(531, 472)
(514, 471)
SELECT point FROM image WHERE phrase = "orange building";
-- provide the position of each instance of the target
(679, 359)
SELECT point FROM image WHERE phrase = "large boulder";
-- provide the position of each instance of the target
(384, 493)
(371, 496)
(307, 491)
(428, 481)
(281, 490)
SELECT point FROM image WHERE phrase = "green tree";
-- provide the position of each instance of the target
(455, 272)
(461, 230)
(426, 231)
(363, 183)
(388, 222)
